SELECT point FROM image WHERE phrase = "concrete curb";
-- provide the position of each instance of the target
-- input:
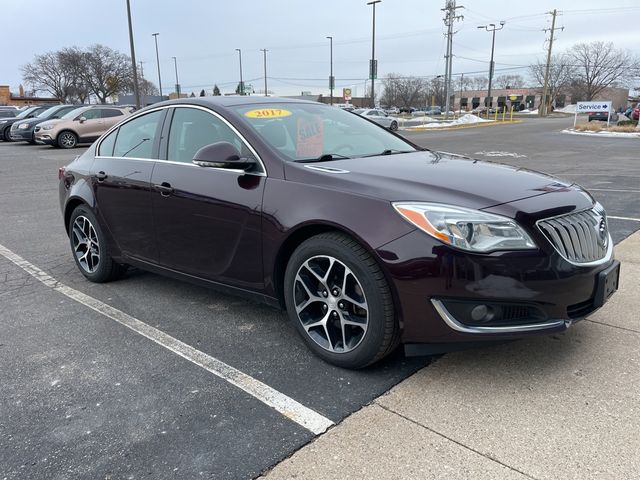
(461, 127)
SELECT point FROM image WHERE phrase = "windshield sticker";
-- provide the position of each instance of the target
(310, 137)
(268, 113)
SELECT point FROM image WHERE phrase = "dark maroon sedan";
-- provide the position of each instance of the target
(367, 240)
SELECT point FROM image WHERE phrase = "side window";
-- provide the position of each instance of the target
(106, 147)
(91, 114)
(110, 112)
(192, 128)
(136, 138)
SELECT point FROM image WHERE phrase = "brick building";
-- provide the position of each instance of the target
(20, 100)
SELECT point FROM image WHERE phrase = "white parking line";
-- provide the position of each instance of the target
(612, 190)
(624, 218)
(287, 406)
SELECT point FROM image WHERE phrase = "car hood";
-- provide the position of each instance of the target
(429, 176)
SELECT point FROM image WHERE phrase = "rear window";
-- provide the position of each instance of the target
(7, 113)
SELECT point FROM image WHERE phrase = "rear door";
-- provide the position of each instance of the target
(122, 184)
(90, 128)
(110, 117)
(208, 220)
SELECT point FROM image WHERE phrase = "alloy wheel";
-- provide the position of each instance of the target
(85, 244)
(67, 140)
(330, 304)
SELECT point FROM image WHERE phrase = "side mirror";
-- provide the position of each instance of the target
(222, 155)
(82, 119)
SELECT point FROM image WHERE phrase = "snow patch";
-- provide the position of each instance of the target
(604, 134)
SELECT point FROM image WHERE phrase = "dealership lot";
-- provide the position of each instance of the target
(86, 397)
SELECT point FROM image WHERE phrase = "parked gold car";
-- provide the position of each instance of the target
(82, 125)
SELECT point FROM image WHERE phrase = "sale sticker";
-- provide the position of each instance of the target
(310, 137)
(268, 113)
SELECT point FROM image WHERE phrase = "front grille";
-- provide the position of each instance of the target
(580, 237)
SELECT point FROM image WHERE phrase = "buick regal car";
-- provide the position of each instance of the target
(367, 240)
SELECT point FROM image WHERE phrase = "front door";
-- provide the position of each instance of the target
(208, 220)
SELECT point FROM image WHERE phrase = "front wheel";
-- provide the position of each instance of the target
(67, 140)
(89, 247)
(340, 302)
(6, 136)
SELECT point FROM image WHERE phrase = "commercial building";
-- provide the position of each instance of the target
(21, 100)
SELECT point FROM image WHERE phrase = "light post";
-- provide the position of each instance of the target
(136, 91)
(155, 35)
(331, 79)
(373, 68)
(264, 51)
(175, 64)
(241, 82)
(491, 28)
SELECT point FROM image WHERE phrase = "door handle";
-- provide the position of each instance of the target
(101, 176)
(164, 188)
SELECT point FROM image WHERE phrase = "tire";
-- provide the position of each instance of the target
(394, 126)
(354, 290)
(5, 135)
(67, 139)
(89, 247)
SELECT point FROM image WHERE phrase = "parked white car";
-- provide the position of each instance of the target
(379, 117)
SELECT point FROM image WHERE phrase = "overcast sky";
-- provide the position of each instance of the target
(203, 35)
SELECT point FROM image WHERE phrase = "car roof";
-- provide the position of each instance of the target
(230, 101)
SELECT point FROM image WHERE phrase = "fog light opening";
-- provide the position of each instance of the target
(482, 313)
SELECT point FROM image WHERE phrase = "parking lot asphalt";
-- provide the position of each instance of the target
(85, 397)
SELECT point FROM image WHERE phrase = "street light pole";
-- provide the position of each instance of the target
(175, 64)
(136, 91)
(373, 70)
(264, 51)
(241, 82)
(331, 80)
(155, 35)
(491, 65)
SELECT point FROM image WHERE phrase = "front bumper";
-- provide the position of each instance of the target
(18, 135)
(44, 138)
(428, 278)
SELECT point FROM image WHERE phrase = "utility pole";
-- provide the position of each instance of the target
(542, 109)
(241, 82)
(175, 64)
(373, 67)
(264, 51)
(491, 28)
(136, 92)
(449, 17)
(331, 79)
(155, 35)
(460, 97)
(142, 102)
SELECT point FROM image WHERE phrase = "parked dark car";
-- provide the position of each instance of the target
(603, 116)
(8, 112)
(24, 129)
(366, 239)
(5, 123)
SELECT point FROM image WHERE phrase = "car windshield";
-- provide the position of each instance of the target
(48, 112)
(308, 131)
(74, 113)
(26, 112)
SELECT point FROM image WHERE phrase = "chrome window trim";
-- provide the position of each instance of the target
(263, 173)
(608, 255)
(456, 325)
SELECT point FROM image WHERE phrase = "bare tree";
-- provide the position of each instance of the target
(599, 65)
(561, 75)
(107, 72)
(72, 61)
(480, 83)
(403, 91)
(47, 72)
(147, 87)
(509, 81)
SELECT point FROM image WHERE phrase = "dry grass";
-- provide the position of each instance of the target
(602, 127)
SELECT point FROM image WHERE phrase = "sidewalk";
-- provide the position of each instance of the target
(565, 406)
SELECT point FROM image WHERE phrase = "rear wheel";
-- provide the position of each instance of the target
(89, 247)
(340, 302)
(394, 126)
(67, 139)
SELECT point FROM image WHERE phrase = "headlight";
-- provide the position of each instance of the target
(23, 126)
(465, 228)
(47, 127)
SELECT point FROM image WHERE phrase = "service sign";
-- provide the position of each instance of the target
(585, 107)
